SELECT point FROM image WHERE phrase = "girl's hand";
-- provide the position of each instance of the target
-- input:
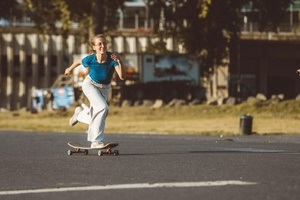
(68, 71)
(115, 57)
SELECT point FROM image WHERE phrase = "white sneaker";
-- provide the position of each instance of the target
(97, 144)
(73, 119)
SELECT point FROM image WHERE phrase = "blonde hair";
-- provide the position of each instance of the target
(93, 41)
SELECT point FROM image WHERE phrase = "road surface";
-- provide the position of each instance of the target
(36, 166)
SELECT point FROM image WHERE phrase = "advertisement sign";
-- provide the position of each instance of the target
(63, 97)
(162, 67)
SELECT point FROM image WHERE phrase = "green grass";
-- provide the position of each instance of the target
(281, 118)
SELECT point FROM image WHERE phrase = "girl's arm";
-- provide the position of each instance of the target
(69, 70)
(121, 71)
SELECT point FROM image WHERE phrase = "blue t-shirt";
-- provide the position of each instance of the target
(100, 72)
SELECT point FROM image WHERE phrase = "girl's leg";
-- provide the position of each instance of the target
(84, 116)
(99, 110)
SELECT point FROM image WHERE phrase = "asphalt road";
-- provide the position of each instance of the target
(36, 166)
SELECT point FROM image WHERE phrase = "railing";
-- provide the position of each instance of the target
(282, 28)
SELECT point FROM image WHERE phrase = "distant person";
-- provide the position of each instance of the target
(101, 65)
(298, 72)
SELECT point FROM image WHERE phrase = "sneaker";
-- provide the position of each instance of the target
(97, 144)
(73, 119)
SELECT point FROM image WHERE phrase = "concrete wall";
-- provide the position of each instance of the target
(29, 60)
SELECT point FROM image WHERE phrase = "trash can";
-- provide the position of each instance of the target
(246, 124)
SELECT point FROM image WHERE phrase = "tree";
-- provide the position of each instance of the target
(205, 27)
(208, 28)
(92, 16)
(221, 22)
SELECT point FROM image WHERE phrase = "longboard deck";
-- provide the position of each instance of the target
(85, 149)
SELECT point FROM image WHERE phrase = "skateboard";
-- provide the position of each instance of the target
(85, 150)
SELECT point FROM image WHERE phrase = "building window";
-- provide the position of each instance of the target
(16, 66)
(28, 66)
(41, 66)
(3, 67)
(53, 65)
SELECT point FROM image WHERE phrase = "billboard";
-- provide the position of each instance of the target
(63, 97)
(163, 67)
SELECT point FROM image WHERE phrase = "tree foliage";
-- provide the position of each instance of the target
(205, 27)
(59, 16)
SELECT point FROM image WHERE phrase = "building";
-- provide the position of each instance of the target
(261, 63)
(266, 62)
(30, 61)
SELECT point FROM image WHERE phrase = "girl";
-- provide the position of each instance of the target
(102, 65)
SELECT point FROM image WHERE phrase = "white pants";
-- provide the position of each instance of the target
(97, 95)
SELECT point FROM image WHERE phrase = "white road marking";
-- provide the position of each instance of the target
(251, 150)
(128, 186)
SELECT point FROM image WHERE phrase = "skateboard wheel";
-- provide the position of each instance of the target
(86, 152)
(116, 152)
(70, 152)
(99, 153)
